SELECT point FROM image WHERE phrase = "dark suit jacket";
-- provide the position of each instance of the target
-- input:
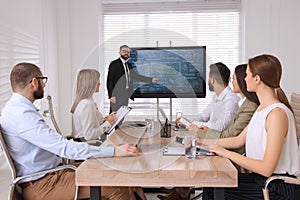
(116, 80)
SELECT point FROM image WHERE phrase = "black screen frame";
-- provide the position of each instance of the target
(169, 94)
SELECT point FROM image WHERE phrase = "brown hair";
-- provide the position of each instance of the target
(220, 72)
(22, 73)
(123, 46)
(269, 69)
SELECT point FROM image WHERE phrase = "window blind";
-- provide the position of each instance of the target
(15, 46)
(214, 24)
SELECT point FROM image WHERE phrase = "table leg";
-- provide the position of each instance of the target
(219, 193)
(95, 192)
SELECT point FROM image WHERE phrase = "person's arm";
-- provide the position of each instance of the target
(110, 82)
(136, 76)
(204, 116)
(276, 126)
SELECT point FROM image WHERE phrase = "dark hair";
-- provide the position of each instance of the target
(269, 69)
(240, 72)
(22, 73)
(220, 72)
(123, 46)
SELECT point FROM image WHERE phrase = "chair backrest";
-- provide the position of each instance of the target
(49, 98)
(295, 103)
(7, 156)
(15, 192)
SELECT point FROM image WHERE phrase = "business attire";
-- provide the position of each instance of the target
(219, 113)
(250, 184)
(240, 120)
(120, 82)
(34, 147)
(88, 121)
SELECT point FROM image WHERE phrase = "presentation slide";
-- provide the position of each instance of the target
(181, 71)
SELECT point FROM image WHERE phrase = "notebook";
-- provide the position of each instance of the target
(120, 115)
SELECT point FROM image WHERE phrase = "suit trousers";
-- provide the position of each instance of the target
(60, 185)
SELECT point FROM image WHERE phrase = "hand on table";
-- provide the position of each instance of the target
(126, 150)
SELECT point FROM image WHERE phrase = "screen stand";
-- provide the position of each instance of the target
(171, 109)
(158, 109)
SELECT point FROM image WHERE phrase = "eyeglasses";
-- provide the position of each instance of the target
(125, 51)
(44, 78)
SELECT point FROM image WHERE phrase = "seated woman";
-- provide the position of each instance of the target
(270, 138)
(88, 122)
(247, 106)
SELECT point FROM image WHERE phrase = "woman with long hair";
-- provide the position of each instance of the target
(270, 138)
(88, 122)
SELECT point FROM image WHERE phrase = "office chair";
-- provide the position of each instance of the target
(15, 192)
(295, 103)
(69, 137)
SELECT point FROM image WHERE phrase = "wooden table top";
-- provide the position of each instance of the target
(151, 168)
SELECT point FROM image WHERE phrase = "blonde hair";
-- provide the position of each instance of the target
(87, 80)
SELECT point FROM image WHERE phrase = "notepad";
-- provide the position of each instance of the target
(120, 115)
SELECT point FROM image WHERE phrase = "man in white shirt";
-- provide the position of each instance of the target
(219, 113)
(221, 110)
(34, 146)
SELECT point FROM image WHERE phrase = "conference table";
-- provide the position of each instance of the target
(153, 169)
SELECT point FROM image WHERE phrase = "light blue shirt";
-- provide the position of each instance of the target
(33, 145)
(220, 112)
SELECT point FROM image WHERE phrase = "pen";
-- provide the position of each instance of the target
(136, 145)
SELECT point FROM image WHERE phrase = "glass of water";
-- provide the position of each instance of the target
(190, 145)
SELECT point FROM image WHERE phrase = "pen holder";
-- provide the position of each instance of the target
(165, 131)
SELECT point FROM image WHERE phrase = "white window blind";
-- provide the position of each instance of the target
(15, 46)
(214, 24)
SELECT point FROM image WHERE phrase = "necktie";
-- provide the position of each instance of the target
(127, 74)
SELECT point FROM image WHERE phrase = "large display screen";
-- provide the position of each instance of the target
(181, 71)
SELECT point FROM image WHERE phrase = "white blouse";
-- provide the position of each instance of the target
(256, 140)
(88, 121)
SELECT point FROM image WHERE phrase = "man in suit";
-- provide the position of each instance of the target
(120, 79)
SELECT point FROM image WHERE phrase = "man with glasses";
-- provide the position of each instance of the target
(35, 147)
(120, 80)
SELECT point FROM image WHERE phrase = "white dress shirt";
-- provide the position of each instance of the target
(88, 121)
(34, 146)
(220, 112)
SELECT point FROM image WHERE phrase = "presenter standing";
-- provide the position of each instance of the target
(120, 80)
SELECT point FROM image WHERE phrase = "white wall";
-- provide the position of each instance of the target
(77, 48)
(273, 26)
